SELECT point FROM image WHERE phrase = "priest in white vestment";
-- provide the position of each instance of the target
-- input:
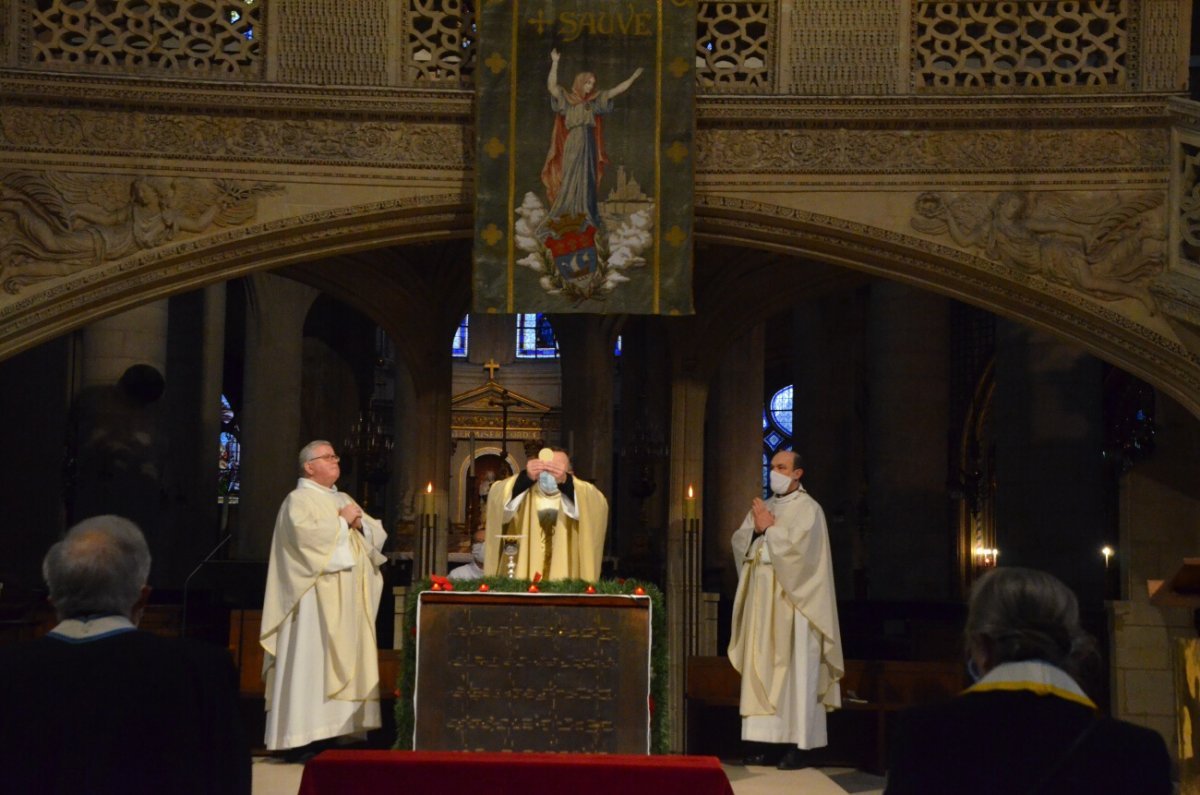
(320, 663)
(561, 521)
(785, 640)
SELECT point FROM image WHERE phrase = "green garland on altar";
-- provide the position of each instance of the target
(659, 739)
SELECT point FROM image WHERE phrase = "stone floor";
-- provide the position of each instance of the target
(274, 777)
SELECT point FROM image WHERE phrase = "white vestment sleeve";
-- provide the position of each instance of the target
(343, 556)
(511, 506)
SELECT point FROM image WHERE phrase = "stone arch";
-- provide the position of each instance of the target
(43, 314)
(1102, 331)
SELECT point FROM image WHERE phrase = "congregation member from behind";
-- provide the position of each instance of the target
(1026, 725)
(97, 706)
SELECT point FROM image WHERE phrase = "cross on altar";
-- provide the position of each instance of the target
(491, 365)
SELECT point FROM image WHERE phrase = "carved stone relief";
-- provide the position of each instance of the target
(322, 43)
(55, 224)
(733, 45)
(438, 45)
(842, 47)
(1188, 198)
(987, 44)
(829, 46)
(930, 151)
(138, 133)
(1108, 246)
(209, 38)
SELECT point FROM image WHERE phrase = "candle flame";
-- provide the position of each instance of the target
(691, 494)
(429, 488)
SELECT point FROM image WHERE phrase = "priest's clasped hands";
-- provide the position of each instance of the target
(352, 514)
(763, 518)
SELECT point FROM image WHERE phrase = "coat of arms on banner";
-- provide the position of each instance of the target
(585, 166)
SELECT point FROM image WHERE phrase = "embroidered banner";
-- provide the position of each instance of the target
(584, 125)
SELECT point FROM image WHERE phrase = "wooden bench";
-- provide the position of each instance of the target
(876, 687)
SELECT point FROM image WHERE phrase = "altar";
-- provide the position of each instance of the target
(564, 673)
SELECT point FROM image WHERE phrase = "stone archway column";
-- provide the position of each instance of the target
(689, 396)
(275, 311)
(430, 462)
(907, 418)
(736, 438)
(119, 443)
(196, 358)
(586, 346)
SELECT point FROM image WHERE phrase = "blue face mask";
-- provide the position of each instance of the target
(547, 483)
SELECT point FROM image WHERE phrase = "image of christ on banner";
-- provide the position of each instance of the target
(584, 133)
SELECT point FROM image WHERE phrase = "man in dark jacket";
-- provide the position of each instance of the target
(1025, 726)
(97, 706)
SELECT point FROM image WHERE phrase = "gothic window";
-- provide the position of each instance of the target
(230, 461)
(458, 348)
(777, 428)
(535, 337)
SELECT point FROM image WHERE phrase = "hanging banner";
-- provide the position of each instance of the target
(584, 156)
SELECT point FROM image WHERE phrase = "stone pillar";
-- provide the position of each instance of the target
(828, 421)
(196, 355)
(275, 312)
(734, 470)
(689, 395)
(909, 544)
(431, 460)
(586, 346)
(36, 406)
(120, 413)
(1050, 492)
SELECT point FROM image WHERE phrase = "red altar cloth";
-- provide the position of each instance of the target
(466, 773)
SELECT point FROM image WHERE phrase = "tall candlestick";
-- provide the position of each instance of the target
(427, 503)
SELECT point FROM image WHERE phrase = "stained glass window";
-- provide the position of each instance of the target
(781, 410)
(229, 464)
(535, 337)
(458, 348)
(777, 429)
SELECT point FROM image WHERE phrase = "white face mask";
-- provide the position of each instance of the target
(780, 483)
(547, 483)
(477, 552)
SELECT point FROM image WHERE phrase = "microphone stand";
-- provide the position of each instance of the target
(188, 581)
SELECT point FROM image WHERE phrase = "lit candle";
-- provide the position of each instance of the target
(1107, 552)
(689, 505)
(428, 509)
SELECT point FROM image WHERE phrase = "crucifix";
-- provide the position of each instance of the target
(504, 402)
(491, 365)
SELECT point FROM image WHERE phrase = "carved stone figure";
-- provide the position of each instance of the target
(53, 224)
(1107, 245)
